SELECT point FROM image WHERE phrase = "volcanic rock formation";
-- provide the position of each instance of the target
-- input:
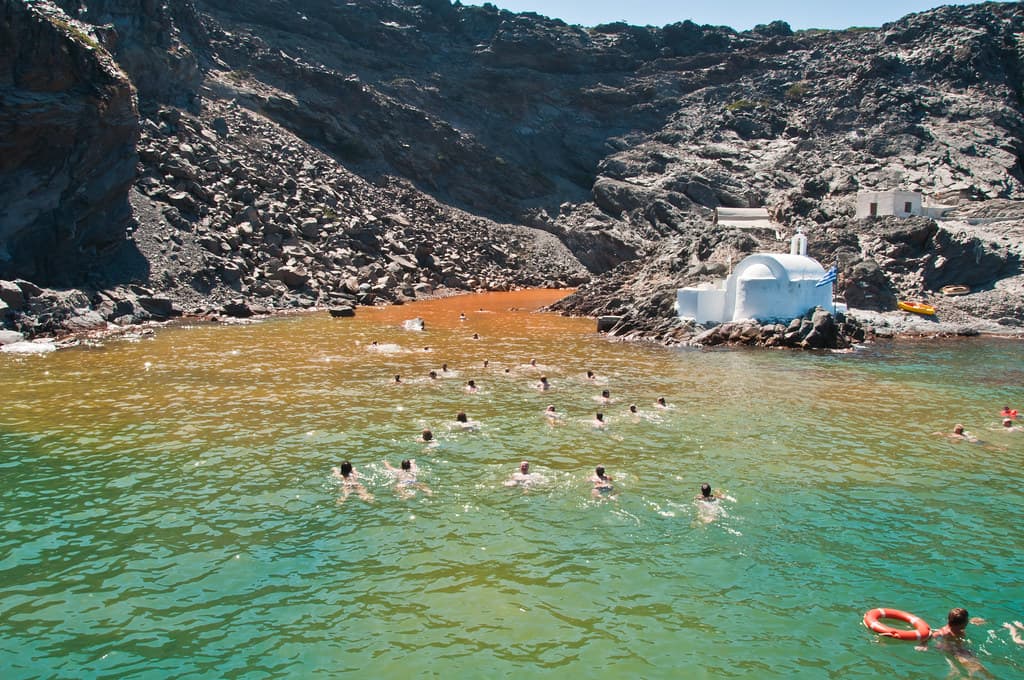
(215, 157)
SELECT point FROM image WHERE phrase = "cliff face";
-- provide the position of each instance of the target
(302, 151)
(68, 126)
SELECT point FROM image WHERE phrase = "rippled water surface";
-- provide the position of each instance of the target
(168, 508)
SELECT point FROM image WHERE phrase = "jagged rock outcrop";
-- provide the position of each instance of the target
(68, 126)
(151, 41)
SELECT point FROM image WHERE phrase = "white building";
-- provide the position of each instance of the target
(747, 218)
(744, 218)
(898, 203)
(765, 287)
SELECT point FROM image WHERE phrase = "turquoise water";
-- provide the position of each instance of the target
(168, 508)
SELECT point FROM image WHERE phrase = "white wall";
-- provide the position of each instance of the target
(770, 300)
(704, 305)
(888, 203)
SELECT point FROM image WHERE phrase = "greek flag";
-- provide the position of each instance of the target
(829, 277)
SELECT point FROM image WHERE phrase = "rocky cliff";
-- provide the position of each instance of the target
(68, 128)
(312, 152)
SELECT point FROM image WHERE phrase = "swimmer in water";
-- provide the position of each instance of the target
(521, 477)
(433, 375)
(591, 376)
(476, 336)
(605, 398)
(543, 385)
(1008, 412)
(553, 417)
(462, 316)
(349, 479)
(426, 436)
(398, 379)
(602, 483)
(660, 403)
(598, 422)
(486, 362)
(706, 495)
(959, 434)
(1008, 426)
(464, 422)
(471, 387)
(406, 481)
(952, 640)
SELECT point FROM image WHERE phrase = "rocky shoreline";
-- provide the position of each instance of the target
(818, 329)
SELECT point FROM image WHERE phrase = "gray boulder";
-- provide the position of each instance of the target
(10, 337)
(11, 293)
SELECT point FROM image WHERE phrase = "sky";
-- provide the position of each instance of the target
(739, 14)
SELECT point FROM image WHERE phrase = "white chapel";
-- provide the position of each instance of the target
(765, 287)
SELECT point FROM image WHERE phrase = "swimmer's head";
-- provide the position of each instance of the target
(599, 416)
(551, 408)
(590, 374)
(461, 417)
(632, 408)
(433, 375)
(1007, 422)
(471, 383)
(661, 400)
(524, 467)
(346, 468)
(958, 429)
(599, 470)
(958, 618)
(407, 464)
(605, 393)
(427, 435)
(705, 490)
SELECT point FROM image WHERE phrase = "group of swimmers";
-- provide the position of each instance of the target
(407, 482)
(1008, 415)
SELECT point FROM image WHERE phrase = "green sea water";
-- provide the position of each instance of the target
(168, 510)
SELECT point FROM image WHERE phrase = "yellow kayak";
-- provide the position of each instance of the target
(916, 307)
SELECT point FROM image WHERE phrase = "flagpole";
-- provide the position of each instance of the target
(833, 287)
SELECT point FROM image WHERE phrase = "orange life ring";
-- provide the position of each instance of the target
(922, 631)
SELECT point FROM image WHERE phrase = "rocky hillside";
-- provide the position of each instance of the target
(214, 157)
